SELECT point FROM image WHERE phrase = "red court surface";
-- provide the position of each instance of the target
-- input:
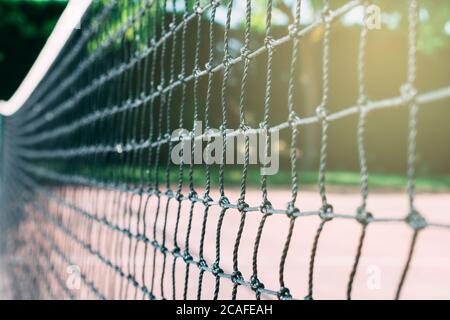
(383, 257)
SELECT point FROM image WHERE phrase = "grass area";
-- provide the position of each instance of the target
(308, 179)
(340, 179)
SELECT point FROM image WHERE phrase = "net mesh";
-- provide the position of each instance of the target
(89, 191)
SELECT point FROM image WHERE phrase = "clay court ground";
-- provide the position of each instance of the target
(383, 258)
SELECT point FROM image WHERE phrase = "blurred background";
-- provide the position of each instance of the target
(24, 27)
(26, 24)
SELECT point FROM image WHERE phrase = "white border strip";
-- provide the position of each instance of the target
(69, 20)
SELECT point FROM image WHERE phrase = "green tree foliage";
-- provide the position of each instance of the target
(434, 16)
(24, 28)
(386, 67)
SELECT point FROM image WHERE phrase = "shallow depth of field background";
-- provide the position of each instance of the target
(25, 25)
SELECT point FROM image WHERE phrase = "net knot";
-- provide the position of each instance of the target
(197, 73)
(327, 15)
(416, 220)
(284, 294)
(125, 232)
(181, 78)
(408, 93)
(193, 196)
(198, 9)
(264, 126)
(207, 200)
(208, 67)
(236, 277)
(202, 264)
(216, 270)
(223, 129)
(131, 279)
(227, 61)
(321, 113)
(167, 136)
(245, 53)
(176, 251)
(326, 212)
(152, 42)
(293, 118)
(256, 284)
(224, 202)
(292, 210)
(154, 243)
(362, 102)
(242, 206)
(119, 148)
(266, 207)
(172, 26)
(363, 216)
(156, 192)
(137, 54)
(269, 43)
(179, 196)
(170, 193)
(293, 30)
(187, 257)
(119, 271)
(243, 128)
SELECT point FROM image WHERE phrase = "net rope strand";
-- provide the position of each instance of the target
(237, 275)
(409, 92)
(180, 170)
(192, 193)
(217, 270)
(206, 198)
(71, 102)
(326, 211)
(362, 215)
(291, 206)
(86, 160)
(170, 147)
(265, 202)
